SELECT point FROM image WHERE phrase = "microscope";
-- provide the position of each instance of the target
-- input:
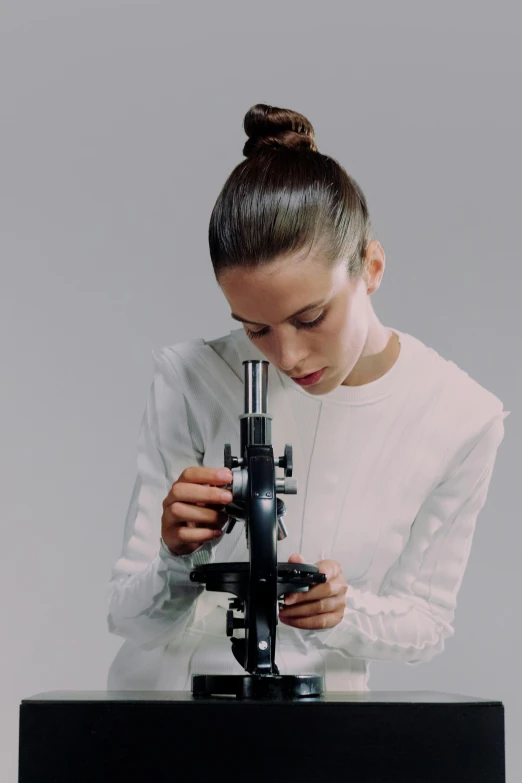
(258, 583)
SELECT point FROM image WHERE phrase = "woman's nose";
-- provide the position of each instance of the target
(288, 359)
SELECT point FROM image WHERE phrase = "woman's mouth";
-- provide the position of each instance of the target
(308, 380)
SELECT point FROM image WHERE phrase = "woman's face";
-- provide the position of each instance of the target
(265, 301)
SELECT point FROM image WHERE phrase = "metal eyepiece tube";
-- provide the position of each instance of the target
(256, 382)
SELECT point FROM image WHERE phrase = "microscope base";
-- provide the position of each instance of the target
(257, 686)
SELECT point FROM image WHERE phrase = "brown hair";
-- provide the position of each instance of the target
(287, 197)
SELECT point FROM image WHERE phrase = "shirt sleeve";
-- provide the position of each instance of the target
(150, 597)
(412, 615)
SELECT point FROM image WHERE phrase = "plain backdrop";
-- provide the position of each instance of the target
(120, 122)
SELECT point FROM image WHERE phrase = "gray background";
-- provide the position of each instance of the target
(119, 123)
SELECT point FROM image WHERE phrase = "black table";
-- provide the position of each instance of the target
(358, 737)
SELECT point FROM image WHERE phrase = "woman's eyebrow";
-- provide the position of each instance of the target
(304, 309)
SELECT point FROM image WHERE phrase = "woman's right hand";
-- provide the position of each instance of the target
(192, 511)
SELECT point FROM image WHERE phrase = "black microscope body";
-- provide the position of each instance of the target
(259, 583)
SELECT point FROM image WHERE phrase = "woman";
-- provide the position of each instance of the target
(394, 446)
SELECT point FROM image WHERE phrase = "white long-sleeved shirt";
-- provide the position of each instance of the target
(392, 475)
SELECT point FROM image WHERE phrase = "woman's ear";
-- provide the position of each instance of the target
(374, 266)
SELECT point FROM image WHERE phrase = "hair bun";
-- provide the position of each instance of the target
(270, 126)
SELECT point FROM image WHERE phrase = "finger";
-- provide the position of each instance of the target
(194, 493)
(323, 590)
(200, 525)
(186, 512)
(200, 475)
(193, 535)
(296, 557)
(317, 622)
(321, 606)
(332, 568)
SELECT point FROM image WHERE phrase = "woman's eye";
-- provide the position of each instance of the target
(300, 325)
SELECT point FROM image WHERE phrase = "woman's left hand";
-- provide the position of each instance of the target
(321, 606)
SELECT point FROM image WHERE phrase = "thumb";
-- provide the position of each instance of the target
(296, 558)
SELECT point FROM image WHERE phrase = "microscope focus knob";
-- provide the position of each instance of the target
(230, 622)
(289, 460)
(228, 458)
(233, 622)
(286, 462)
(286, 486)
